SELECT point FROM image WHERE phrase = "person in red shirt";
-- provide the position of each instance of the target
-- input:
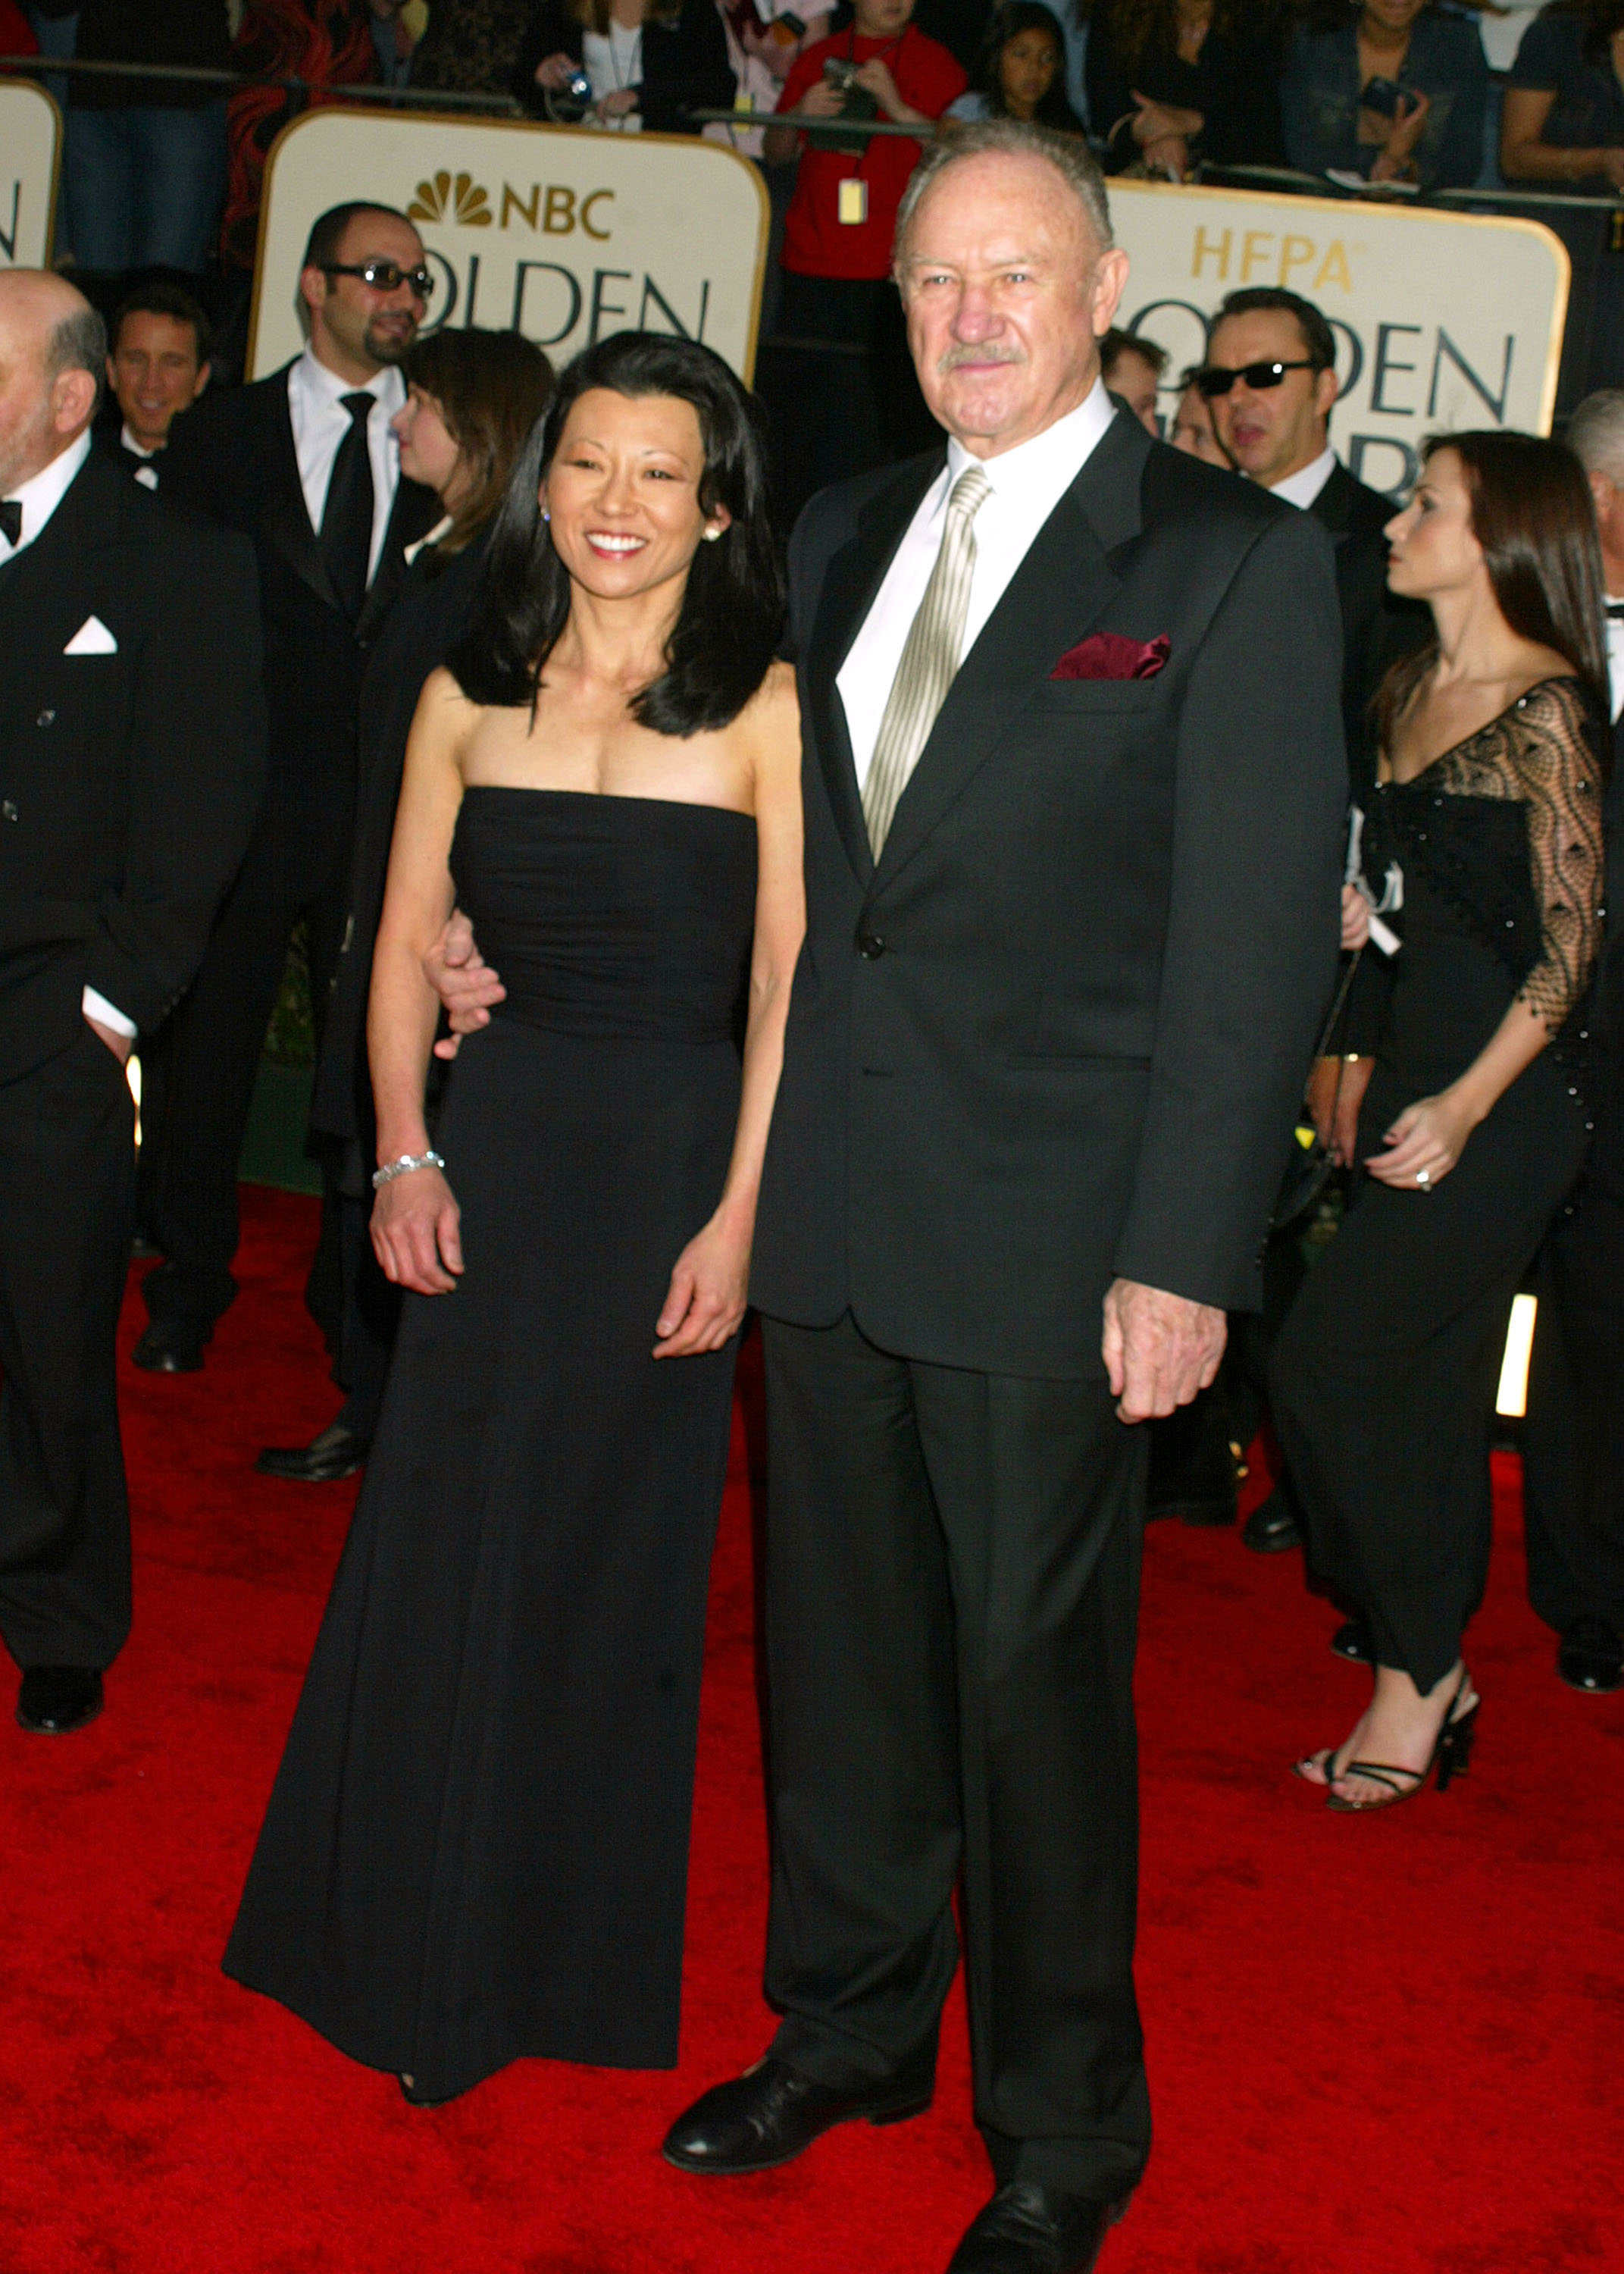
(838, 241)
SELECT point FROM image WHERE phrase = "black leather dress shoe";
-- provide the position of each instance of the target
(1591, 1657)
(55, 1700)
(337, 1452)
(1352, 1640)
(769, 2115)
(1272, 1525)
(172, 1346)
(1030, 2229)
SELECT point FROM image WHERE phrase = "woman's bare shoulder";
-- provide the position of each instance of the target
(774, 709)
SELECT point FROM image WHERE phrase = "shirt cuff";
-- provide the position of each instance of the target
(97, 1007)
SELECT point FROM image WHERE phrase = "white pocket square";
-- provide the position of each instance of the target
(92, 637)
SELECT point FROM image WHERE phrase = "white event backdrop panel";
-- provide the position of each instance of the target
(30, 158)
(1442, 320)
(563, 234)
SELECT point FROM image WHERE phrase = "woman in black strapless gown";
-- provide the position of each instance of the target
(1474, 1126)
(477, 1848)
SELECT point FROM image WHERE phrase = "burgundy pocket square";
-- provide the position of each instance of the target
(1112, 655)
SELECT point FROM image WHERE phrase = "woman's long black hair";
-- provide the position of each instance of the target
(732, 608)
(1005, 24)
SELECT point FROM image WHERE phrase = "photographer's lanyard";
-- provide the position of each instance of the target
(851, 191)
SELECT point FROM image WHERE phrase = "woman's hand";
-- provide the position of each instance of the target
(1169, 154)
(416, 1235)
(617, 105)
(556, 70)
(1397, 136)
(705, 1301)
(1426, 1142)
(1159, 122)
(1337, 1091)
(1356, 919)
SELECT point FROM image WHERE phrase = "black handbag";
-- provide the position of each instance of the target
(1309, 1163)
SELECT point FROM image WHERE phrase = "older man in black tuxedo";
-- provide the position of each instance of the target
(305, 464)
(131, 760)
(1075, 796)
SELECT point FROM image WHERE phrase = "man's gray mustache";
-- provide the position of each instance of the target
(953, 357)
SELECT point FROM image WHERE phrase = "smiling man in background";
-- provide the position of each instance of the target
(157, 366)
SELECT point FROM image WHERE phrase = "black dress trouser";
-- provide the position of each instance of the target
(67, 1189)
(952, 1598)
(1572, 1440)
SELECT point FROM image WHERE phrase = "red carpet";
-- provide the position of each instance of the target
(1383, 2048)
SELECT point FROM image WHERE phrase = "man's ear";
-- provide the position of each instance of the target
(313, 287)
(112, 375)
(205, 372)
(1326, 389)
(1106, 288)
(73, 399)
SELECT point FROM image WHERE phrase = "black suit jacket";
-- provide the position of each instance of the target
(128, 780)
(1377, 627)
(232, 457)
(685, 65)
(1061, 1032)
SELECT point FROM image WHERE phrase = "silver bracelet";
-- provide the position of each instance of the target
(404, 1166)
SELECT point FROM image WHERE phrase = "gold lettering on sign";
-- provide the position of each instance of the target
(1256, 248)
(1206, 249)
(1296, 252)
(555, 209)
(1334, 268)
(587, 204)
(513, 203)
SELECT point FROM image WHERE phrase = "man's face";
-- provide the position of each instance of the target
(38, 419)
(1270, 432)
(1609, 499)
(359, 325)
(155, 371)
(1006, 290)
(1191, 431)
(1134, 379)
(881, 19)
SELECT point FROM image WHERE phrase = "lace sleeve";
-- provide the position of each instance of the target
(1558, 766)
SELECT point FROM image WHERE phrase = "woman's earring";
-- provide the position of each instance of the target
(546, 515)
(711, 535)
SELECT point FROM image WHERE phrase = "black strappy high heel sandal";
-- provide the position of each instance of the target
(1451, 1756)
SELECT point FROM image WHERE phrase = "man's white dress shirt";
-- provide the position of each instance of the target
(1301, 488)
(320, 422)
(39, 499)
(147, 475)
(1615, 655)
(1028, 483)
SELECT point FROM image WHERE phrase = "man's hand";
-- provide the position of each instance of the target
(1159, 1349)
(463, 980)
(120, 1044)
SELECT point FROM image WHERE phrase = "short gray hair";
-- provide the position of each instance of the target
(1596, 433)
(1010, 137)
(78, 343)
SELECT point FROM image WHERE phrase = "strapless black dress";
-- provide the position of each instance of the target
(477, 1848)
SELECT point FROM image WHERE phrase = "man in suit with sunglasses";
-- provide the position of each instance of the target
(305, 463)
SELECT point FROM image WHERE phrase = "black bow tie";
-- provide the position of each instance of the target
(10, 519)
(1615, 608)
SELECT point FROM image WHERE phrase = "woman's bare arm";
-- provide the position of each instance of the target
(1524, 156)
(710, 1284)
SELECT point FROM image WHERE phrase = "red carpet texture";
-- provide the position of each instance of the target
(1387, 2047)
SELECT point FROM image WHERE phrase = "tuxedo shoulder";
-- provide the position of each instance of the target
(1178, 485)
(232, 410)
(835, 512)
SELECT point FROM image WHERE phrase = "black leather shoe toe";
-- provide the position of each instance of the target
(171, 1347)
(55, 1700)
(1352, 1640)
(1591, 1657)
(337, 1452)
(1030, 2229)
(1271, 1527)
(766, 2118)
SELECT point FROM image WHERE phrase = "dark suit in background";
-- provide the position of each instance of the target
(129, 780)
(233, 456)
(1057, 1035)
(1377, 628)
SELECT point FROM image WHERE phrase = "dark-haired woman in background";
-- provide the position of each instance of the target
(472, 398)
(1021, 72)
(649, 62)
(1473, 1127)
(1392, 89)
(1172, 81)
(477, 1845)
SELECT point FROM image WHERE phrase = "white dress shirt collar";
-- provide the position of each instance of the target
(136, 449)
(1042, 471)
(316, 408)
(40, 495)
(1301, 488)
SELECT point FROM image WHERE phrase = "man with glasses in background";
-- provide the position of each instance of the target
(305, 463)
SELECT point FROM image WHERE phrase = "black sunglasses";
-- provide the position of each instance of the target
(384, 276)
(1213, 382)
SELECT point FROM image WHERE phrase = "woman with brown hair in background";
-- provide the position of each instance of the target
(1484, 836)
(472, 398)
(1173, 82)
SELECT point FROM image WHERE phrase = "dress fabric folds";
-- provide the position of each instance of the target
(477, 1848)
(1383, 1376)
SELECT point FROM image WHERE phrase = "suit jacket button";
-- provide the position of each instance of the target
(46, 718)
(870, 946)
(9, 810)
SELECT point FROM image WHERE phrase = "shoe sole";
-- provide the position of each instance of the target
(1272, 1544)
(51, 1729)
(899, 2114)
(308, 1477)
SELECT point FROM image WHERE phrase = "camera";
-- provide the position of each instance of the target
(578, 88)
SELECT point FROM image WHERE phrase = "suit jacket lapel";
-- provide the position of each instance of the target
(413, 514)
(287, 515)
(850, 584)
(1062, 586)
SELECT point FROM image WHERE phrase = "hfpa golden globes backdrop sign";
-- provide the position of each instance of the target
(562, 234)
(30, 158)
(1442, 320)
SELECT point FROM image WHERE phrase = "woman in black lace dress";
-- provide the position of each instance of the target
(1483, 844)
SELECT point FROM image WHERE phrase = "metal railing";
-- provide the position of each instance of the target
(421, 98)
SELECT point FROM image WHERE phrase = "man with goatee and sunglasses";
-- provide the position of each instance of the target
(305, 463)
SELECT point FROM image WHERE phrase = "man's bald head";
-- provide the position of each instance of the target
(53, 351)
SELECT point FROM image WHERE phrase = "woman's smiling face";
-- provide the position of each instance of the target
(622, 492)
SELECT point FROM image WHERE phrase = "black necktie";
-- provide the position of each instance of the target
(1615, 608)
(347, 517)
(10, 519)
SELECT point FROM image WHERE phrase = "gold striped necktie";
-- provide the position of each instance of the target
(930, 659)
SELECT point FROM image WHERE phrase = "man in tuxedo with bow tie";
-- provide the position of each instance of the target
(1075, 795)
(132, 759)
(305, 464)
